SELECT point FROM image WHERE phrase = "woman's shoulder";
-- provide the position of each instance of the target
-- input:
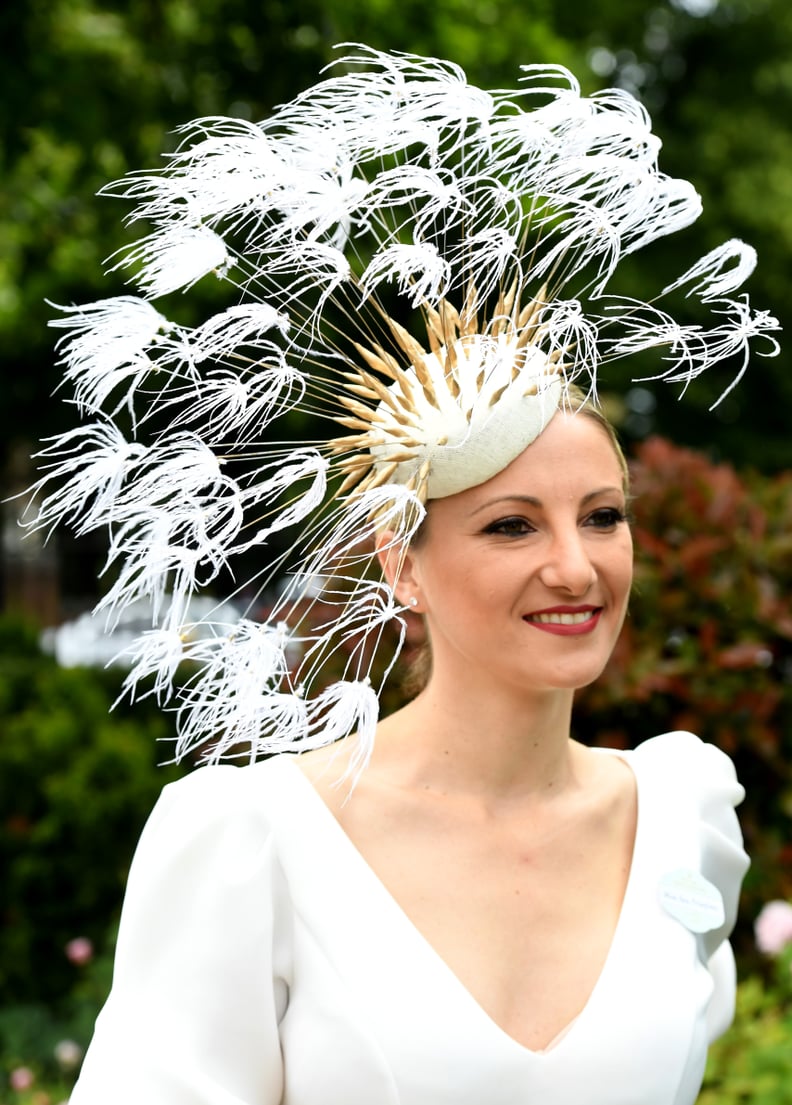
(217, 795)
(232, 781)
(688, 762)
(692, 788)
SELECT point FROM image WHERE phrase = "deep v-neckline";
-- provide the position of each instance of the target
(330, 831)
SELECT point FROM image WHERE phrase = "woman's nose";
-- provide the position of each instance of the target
(568, 566)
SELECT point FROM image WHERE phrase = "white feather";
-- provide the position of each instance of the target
(175, 258)
(391, 170)
(718, 272)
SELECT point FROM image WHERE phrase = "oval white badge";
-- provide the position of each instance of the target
(691, 899)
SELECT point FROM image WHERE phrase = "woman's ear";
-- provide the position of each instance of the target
(398, 563)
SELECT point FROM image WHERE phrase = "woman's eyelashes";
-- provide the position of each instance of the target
(603, 518)
(606, 517)
(510, 527)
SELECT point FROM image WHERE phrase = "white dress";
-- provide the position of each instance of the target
(261, 962)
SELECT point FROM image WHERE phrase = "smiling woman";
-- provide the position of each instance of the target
(540, 550)
(561, 619)
(456, 903)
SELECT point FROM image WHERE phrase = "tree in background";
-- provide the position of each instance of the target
(92, 88)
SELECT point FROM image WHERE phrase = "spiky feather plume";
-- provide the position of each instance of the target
(391, 199)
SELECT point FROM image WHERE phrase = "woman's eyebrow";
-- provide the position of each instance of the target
(531, 500)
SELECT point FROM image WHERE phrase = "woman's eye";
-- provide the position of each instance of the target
(606, 518)
(510, 527)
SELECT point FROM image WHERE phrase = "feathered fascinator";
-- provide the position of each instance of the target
(423, 266)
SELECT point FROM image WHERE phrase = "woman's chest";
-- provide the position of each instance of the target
(525, 926)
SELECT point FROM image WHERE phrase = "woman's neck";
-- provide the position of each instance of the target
(479, 741)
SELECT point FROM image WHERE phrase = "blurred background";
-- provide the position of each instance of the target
(92, 88)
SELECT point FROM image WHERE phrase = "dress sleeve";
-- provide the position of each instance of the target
(200, 981)
(723, 863)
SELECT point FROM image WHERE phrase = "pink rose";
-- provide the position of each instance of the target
(79, 951)
(21, 1078)
(773, 928)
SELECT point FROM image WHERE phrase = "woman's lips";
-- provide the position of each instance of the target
(565, 621)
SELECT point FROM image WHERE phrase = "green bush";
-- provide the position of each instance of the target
(76, 784)
(752, 1063)
(45, 1044)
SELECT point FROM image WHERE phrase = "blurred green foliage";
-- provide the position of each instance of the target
(91, 88)
(76, 784)
(752, 1063)
(48, 1039)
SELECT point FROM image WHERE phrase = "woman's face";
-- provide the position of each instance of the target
(525, 578)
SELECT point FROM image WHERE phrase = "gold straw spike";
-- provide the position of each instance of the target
(361, 378)
(388, 366)
(398, 375)
(385, 394)
(378, 360)
(434, 328)
(403, 457)
(363, 390)
(530, 312)
(451, 361)
(403, 419)
(451, 377)
(393, 420)
(379, 478)
(373, 359)
(450, 322)
(435, 345)
(356, 407)
(414, 350)
(422, 486)
(355, 461)
(468, 319)
(511, 298)
(356, 442)
(353, 423)
(531, 335)
(420, 490)
(394, 368)
(402, 433)
(425, 380)
(364, 484)
(502, 318)
(496, 396)
(352, 480)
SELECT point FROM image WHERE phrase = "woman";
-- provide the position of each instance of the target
(472, 907)
(488, 916)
